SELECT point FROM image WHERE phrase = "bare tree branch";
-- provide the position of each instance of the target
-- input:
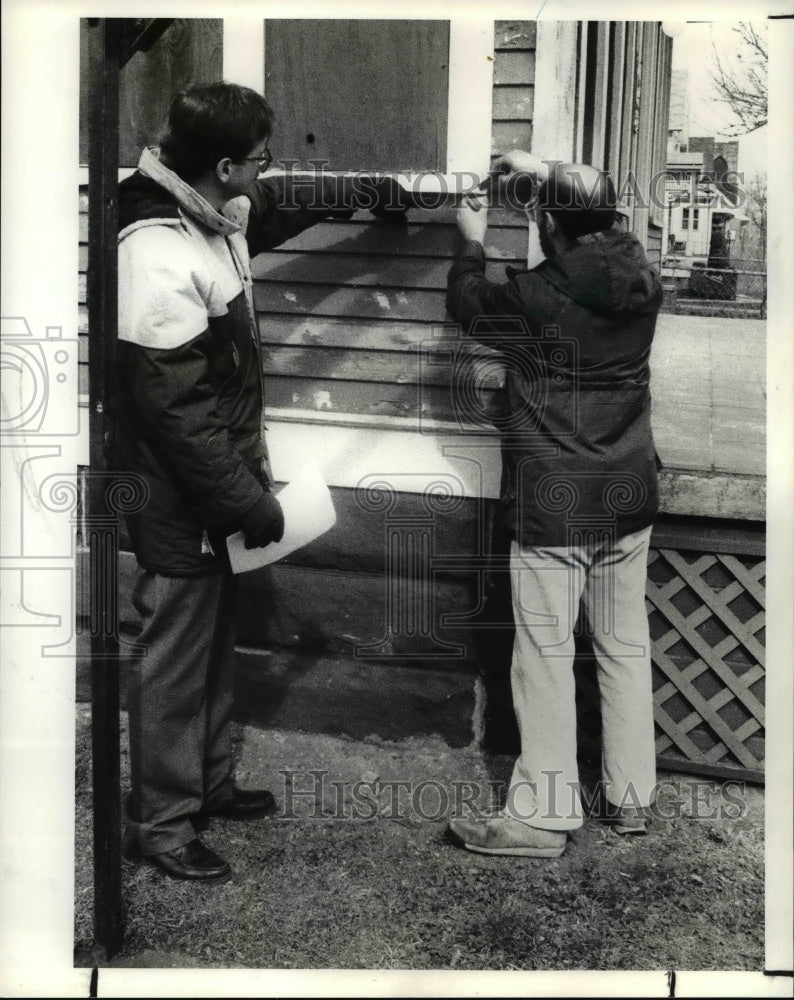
(741, 82)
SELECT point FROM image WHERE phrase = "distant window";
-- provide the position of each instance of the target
(685, 218)
(695, 213)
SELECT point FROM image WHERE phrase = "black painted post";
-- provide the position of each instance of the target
(103, 53)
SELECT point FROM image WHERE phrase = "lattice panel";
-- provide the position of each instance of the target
(706, 614)
(707, 631)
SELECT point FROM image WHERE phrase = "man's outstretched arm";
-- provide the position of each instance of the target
(283, 205)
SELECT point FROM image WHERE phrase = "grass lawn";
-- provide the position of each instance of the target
(391, 892)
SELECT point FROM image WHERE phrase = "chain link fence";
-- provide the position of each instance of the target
(733, 288)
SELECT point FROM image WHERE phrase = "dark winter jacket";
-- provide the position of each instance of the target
(575, 333)
(191, 392)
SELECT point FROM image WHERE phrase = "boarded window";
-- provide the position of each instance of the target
(359, 95)
(189, 52)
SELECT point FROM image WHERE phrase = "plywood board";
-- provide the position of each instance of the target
(368, 119)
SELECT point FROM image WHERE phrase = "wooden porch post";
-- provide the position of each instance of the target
(111, 43)
(103, 118)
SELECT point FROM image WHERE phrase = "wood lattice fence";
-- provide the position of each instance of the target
(707, 619)
(707, 629)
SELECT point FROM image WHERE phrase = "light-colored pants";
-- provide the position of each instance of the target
(180, 699)
(607, 578)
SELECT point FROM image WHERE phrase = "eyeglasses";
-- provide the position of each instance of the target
(264, 159)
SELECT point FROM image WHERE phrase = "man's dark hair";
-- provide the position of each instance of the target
(211, 121)
(580, 198)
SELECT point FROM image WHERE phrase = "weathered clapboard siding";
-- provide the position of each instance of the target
(382, 288)
(363, 278)
(405, 241)
(357, 271)
(325, 331)
(385, 302)
(411, 240)
(513, 86)
(513, 104)
(348, 313)
(388, 280)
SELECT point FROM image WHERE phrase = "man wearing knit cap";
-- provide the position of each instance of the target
(579, 494)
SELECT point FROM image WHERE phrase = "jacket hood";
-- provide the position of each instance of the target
(142, 200)
(155, 194)
(606, 273)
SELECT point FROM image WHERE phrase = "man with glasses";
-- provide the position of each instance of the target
(579, 495)
(190, 426)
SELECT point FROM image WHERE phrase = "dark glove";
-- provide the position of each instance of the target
(264, 523)
(383, 196)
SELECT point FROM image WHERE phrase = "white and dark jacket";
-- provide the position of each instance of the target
(191, 392)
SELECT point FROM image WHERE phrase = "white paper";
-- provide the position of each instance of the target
(308, 513)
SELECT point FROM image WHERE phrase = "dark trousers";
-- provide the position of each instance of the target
(180, 700)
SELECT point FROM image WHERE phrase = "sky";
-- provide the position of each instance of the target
(693, 47)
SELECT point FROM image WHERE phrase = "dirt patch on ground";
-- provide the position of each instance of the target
(357, 872)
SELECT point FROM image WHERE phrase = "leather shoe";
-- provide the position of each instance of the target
(244, 804)
(193, 861)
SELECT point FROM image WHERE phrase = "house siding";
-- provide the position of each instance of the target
(513, 86)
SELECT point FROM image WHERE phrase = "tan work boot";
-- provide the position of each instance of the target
(501, 834)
